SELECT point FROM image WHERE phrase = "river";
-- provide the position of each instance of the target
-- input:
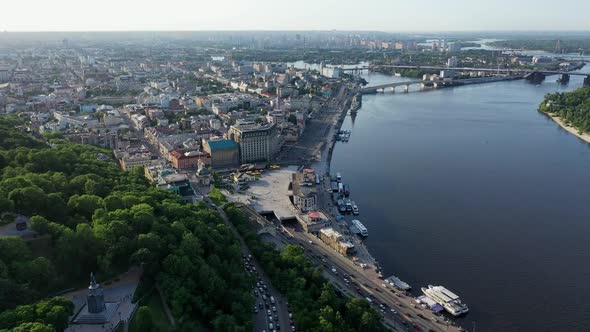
(473, 189)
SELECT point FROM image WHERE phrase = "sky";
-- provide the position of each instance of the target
(380, 15)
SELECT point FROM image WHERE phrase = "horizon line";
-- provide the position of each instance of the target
(299, 30)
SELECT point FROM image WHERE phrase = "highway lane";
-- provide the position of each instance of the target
(261, 318)
(371, 286)
(337, 279)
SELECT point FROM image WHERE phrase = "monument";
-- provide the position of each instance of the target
(95, 297)
(96, 310)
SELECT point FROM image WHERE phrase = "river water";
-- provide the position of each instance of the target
(473, 189)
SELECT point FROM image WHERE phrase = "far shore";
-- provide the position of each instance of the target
(572, 130)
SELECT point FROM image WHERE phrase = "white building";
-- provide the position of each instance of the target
(332, 72)
(140, 120)
(452, 62)
(4, 75)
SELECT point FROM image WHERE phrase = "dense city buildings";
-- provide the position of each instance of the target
(135, 148)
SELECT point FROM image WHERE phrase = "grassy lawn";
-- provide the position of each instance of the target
(161, 322)
(216, 196)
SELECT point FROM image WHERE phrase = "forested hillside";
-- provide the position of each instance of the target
(93, 217)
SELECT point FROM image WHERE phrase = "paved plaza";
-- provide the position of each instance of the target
(270, 193)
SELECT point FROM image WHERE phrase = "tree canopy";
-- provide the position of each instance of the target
(573, 107)
(93, 217)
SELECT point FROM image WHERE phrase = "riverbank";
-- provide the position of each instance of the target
(572, 130)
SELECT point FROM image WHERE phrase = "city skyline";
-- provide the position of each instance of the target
(376, 15)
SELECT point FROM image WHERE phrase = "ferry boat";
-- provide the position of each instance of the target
(355, 209)
(362, 229)
(447, 299)
(398, 283)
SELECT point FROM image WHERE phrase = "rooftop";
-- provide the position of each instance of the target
(330, 232)
(222, 144)
(174, 177)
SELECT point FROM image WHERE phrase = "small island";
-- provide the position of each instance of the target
(571, 110)
(558, 45)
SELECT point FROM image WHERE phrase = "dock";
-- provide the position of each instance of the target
(398, 283)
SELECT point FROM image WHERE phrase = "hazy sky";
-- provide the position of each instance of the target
(384, 15)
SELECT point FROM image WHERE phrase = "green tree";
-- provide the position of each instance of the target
(56, 207)
(143, 319)
(38, 273)
(28, 200)
(6, 205)
(33, 327)
(84, 205)
(81, 247)
(13, 247)
(40, 225)
(112, 203)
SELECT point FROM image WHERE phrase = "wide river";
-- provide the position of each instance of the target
(473, 189)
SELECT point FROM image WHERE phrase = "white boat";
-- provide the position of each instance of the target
(447, 299)
(355, 209)
(361, 228)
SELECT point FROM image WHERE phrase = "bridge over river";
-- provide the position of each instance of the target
(436, 83)
(503, 75)
(509, 71)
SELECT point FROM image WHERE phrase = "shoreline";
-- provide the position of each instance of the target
(570, 129)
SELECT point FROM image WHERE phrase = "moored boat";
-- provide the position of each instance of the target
(447, 299)
(398, 283)
(355, 209)
(362, 230)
